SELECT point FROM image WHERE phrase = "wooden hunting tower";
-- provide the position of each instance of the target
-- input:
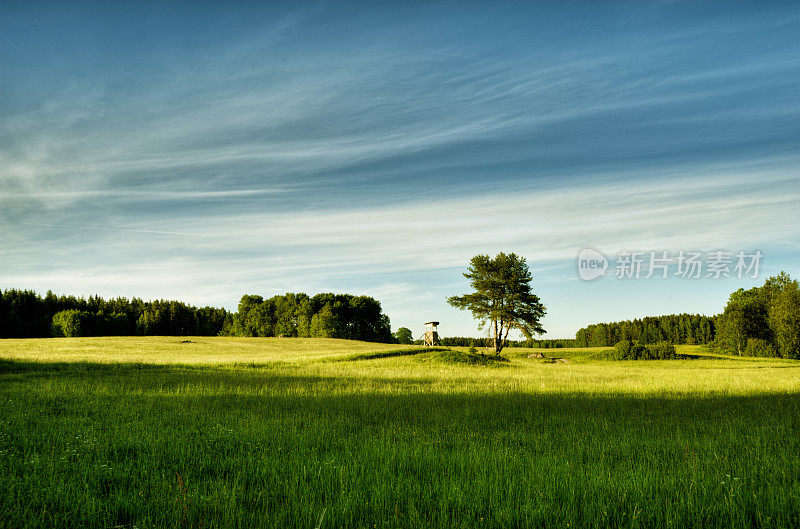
(431, 333)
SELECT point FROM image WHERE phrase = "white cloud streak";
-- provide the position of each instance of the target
(270, 163)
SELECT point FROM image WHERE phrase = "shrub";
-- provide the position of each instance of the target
(626, 350)
(449, 356)
(638, 351)
(759, 347)
(68, 323)
(661, 351)
(622, 350)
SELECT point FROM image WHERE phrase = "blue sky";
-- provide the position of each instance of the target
(202, 151)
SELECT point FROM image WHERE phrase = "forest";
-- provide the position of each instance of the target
(761, 321)
(674, 328)
(321, 316)
(26, 314)
(467, 341)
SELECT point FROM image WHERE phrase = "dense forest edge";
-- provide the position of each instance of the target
(761, 321)
(26, 314)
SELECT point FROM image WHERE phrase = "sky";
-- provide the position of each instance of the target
(201, 151)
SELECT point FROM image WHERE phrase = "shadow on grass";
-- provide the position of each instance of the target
(31, 366)
(448, 356)
(125, 375)
(197, 398)
(282, 374)
(272, 440)
(387, 354)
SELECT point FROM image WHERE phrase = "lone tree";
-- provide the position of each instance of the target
(502, 297)
(404, 336)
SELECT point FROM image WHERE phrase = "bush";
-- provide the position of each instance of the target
(759, 347)
(626, 350)
(449, 356)
(638, 351)
(661, 351)
(622, 350)
(68, 323)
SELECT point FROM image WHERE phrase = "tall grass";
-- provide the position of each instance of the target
(269, 433)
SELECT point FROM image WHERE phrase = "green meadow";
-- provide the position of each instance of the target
(270, 432)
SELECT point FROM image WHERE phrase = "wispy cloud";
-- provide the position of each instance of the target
(313, 150)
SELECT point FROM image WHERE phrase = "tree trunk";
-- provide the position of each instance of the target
(503, 341)
(498, 339)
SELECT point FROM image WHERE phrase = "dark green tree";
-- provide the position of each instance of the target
(68, 323)
(744, 317)
(324, 324)
(404, 336)
(762, 320)
(784, 320)
(502, 298)
(285, 315)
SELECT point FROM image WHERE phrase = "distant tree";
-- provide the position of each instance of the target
(762, 321)
(502, 298)
(673, 328)
(384, 329)
(285, 315)
(598, 337)
(784, 320)
(68, 323)
(304, 314)
(404, 336)
(744, 317)
(25, 314)
(323, 323)
(325, 315)
(364, 321)
(210, 321)
(255, 317)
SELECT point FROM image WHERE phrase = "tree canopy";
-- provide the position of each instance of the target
(502, 299)
(324, 315)
(763, 321)
(26, 314)
(672, 328)
(404, 336)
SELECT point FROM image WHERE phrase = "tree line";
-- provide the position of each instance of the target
(761, 321)
(27, 314)
(321, 316)
(466, 341)
(674, 328)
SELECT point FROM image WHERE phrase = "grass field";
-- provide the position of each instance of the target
(251, 432)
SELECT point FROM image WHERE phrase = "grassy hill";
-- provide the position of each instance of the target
(270, 432)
